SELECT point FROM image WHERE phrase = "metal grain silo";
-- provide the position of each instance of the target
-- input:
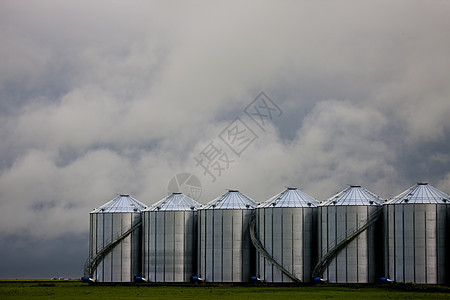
(170, 239)
(284, 237)
(416, 235)
(348, 239)
(225, 250)
(115, 241)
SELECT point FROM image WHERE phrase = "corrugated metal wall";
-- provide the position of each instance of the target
(123, 263)
(415, 239)
(170, 245)
(357, 262)
(414, 235)
(287, 234)
(225, 250)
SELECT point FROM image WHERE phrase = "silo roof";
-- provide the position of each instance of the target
(421, 193)
(291, 197)
(354, 195)
(233, 199)
(122, 203)
(175, 202)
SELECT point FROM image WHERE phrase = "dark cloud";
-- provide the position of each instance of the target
(119, 97)
(25, 257)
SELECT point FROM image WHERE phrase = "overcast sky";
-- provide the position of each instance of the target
(107, 97)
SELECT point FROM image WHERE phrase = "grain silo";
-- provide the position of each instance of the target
(348, 237)
(284, 237)
(115, 241)
(225, 251)
(170, 239)
(416, 235)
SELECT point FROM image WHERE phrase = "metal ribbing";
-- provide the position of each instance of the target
(114, 256)
(286, 244)
(340, 228)
(171, 245)
(229, 258)
(428, 222)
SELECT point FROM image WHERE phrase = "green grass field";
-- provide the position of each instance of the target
(78, 290)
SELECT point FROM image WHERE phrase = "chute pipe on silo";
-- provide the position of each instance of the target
(115, 241)
(284, 237)
(347, 237)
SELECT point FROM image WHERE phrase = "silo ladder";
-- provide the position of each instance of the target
(93, 262)
(326, 259)
(259, 246)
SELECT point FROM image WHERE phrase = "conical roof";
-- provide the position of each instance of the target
(232, 199)
(120, 204)
(175, 202)
(354, 195)
(291, 197)
(419, 193)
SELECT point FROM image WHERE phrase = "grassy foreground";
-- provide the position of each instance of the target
(78, 290)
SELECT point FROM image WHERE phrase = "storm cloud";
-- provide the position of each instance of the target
(118, 97)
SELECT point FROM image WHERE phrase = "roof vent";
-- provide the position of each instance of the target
(176, 193)
(233, 191)
(422, 183)
(124, 195)
(291, 188)
(355, 186)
